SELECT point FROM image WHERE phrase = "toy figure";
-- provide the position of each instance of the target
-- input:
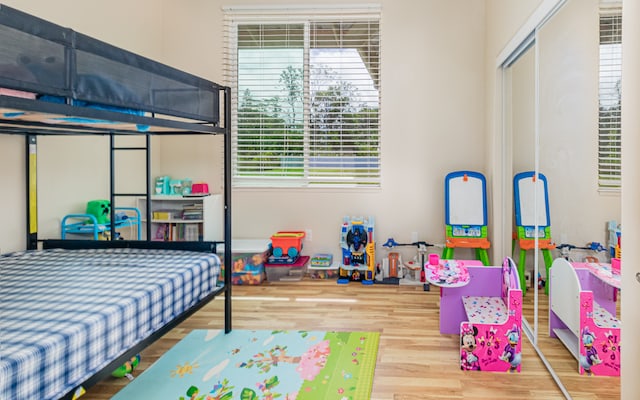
(468, 360)
(357, 238)
(127, 368)
(509, 354)
(541, 282)
(101, 209)
(591, 358)
(358, 250)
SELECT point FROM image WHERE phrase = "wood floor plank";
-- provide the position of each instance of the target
(414, 360)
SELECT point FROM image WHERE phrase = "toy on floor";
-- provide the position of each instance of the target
(595, 249)
(542, 282)
(358, 250)
(127, 368)
(533, 223)
(248, 270)
(465, 197)
(322, 260)
(613, 242)
(321, 266)
(615, 260)
(409, 272)
(285, 247)
(96, 221)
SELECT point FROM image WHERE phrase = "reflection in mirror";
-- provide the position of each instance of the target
(569, 153)
(554, 129)
(519, 84)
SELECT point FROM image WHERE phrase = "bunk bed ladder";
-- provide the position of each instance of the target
(112, 180)
(227, 209)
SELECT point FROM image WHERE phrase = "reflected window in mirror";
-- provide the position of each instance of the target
(609, 127)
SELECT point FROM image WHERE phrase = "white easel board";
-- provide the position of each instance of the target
(531, 200)
(465, 198)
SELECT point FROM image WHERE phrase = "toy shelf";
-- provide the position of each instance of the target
(190, 218)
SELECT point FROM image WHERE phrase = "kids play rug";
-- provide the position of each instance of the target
(248, 365)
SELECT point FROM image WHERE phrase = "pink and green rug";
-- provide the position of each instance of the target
(265, 365)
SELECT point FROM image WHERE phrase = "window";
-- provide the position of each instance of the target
(306, 98)
(609, 120)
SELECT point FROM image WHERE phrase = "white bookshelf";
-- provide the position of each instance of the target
(177, 218)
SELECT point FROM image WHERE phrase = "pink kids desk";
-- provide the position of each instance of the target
(582, 315)
(451, 307)
(448, 273)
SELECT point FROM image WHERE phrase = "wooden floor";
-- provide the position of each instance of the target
(414, 360)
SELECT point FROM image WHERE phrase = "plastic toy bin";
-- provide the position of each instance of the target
(249, 257)
(321, 266)
(316, 272)
(287, 272)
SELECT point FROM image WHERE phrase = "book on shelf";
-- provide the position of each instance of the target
(162, 232)
(192, 211)
(173, 232)
(191, 232)
(174, 236)
(166, 215)
(196, 195)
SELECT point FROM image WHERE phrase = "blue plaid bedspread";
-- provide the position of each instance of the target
(64, 315)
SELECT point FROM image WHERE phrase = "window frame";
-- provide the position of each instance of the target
(345, 177)
(609, 160)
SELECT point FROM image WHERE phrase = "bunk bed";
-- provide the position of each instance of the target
(55, 81)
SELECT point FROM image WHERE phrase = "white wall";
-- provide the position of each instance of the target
(522, 101)
(12, 195)
(429, 80)
(441, 113)
(432, 121)
(503, 20)
(132, 25)
(568, 74)
(74, 170)
(434, 103)
(568, 64)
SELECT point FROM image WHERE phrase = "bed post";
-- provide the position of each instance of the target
(32, 192)
(227, 209)
(112, 186)
(149, 186)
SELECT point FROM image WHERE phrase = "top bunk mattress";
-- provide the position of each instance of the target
(67, 313)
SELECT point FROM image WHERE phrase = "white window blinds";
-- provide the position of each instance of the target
(307, 98)
(609, 121)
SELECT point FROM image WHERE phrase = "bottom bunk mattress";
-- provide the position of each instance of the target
(65, 314)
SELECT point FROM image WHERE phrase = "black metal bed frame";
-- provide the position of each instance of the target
(159, 114)
(205, 247)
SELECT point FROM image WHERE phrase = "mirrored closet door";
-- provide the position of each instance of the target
(551, 119)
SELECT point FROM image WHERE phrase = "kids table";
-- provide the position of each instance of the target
(479, 278)
(601, 271)
(606, 275)
(449, 273)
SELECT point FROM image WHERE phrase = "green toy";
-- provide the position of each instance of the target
(126, 368)
(101, 209)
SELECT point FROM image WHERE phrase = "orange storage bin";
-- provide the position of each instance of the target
(287, 243)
